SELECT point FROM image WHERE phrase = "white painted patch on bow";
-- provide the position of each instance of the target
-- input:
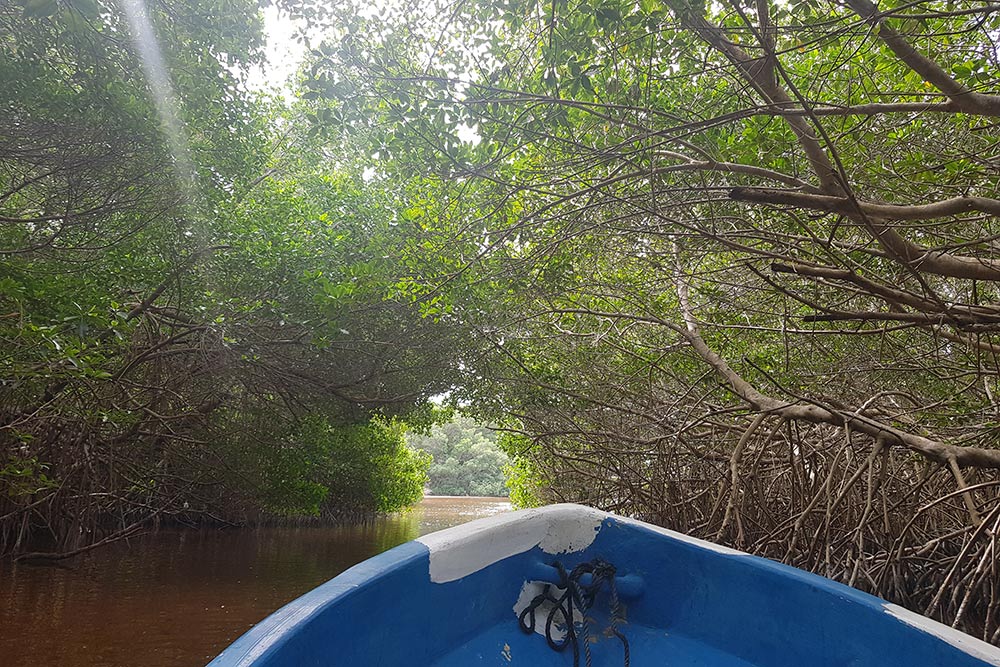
(967, 643)
(458, 552)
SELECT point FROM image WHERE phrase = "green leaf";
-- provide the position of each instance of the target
(88, 8)
(608, 16)
(962, 69)
(40, 8)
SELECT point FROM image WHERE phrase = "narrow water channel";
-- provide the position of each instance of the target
(177, 598)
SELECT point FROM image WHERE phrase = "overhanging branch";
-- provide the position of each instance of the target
(934, 450)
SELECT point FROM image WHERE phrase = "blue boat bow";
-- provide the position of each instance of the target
(459, 597)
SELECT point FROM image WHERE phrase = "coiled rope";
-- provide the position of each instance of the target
(568, 594)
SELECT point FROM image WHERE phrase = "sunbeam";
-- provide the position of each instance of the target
(164, 98)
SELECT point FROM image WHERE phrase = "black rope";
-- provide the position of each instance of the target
(568, 594)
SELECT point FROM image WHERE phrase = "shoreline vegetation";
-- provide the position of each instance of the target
(324, 521)
(455, 454)
(731, 268)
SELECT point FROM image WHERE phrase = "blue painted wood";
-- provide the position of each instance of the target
(687, 603)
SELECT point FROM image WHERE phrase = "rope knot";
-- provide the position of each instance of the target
(571, 595)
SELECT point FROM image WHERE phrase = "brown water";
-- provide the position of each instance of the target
(177, 598)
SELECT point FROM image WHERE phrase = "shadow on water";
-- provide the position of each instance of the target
(179, 597)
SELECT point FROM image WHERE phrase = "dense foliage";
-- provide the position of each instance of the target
(466, 460)
(731, 266)
(197, 320)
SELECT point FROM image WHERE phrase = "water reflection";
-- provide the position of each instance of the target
(179, 597)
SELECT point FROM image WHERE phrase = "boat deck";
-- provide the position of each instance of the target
(506, 645)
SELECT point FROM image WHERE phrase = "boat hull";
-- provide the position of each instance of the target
(452, 599)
